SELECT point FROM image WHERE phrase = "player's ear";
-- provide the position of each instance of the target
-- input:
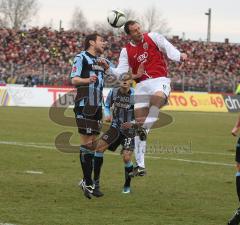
(91, 42)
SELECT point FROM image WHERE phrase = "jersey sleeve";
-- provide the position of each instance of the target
(123, 65)
(108, 104)
(164, 45)
(77, 66)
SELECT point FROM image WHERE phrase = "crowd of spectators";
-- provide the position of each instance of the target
(41, 56)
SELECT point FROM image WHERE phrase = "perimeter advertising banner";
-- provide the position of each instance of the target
(38, 97)
(232, 102)
(191, 101)
(30, 97)
(178, 101)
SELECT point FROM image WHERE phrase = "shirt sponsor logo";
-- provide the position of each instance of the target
(142, 57)
(122, 105)
(97, 67)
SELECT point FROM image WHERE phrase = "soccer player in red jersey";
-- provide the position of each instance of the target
(145, 55)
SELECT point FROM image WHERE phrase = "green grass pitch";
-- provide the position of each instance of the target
(192, 187)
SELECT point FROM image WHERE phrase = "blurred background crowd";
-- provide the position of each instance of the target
(41, 56)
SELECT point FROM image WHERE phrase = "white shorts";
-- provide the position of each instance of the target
(145, 89)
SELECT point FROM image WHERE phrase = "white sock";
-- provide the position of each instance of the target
(151, 118)
(139, 150)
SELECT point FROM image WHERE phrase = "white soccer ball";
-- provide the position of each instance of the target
(116, 18)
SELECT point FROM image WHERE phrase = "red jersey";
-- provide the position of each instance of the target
(148, 53)
(152, 52)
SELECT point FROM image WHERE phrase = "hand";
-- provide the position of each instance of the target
(108, 119)
(110, 79)
(235, 131)
(93, 78)
(126, 125)
(103, 63)
(183, 56)
(140, 71)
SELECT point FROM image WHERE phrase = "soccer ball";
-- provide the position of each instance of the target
(116, 18)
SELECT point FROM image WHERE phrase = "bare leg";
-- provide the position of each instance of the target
(147, 117)
(141, 114)
(157, 101)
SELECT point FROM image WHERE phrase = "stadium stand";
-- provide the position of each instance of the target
(41, 56)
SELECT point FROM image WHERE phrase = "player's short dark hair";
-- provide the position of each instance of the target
(125, 76)
(90, 37)
(127, 24)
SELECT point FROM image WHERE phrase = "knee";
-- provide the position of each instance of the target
(238, 167)
(140, 120)
(88, 146)
(159, 95)
(126, 160)
(100, 146)
(158, 99)
(126, 157)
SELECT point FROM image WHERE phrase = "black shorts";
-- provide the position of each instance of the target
(114, 137)
(237, 157)
(88, 119)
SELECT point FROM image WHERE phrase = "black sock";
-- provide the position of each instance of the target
(128, 169)
(86, 160)
(98, 161)
(238, 185)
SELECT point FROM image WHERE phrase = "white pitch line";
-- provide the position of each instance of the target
(50, 146)
(30, 143)
(147, 156)
(33, 145)
(33, 172)
(7, 224)
(192, 161)
(197, 152)
(182, 160)
(214, 153)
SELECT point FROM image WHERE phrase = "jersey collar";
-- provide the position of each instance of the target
(134, 45)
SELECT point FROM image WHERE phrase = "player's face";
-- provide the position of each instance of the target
(99, 45)
(135, 32)
(126, 82)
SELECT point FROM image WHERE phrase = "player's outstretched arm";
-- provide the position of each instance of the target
(107, 108)
(122, 67)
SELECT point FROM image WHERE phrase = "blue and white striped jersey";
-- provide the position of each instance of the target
(84, 66)
(122, 104)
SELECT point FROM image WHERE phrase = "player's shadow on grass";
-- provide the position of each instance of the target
(163, 120)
